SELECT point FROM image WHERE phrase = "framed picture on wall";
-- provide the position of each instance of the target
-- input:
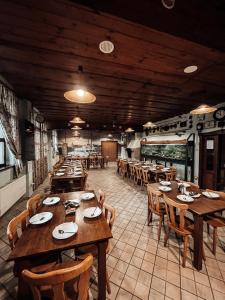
(210, 124)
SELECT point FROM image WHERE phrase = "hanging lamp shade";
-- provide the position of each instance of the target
(77, 120)
(76, 128)
(203, 109)
(76, 133)
(149, 125)
(80, 96)
(129, 130)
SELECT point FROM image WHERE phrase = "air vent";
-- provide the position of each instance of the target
(106, 47)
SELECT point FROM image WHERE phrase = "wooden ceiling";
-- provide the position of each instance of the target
(42, 43)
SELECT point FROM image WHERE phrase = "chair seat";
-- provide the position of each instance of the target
(215, 221)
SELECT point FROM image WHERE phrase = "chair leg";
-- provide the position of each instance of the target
(203, 253)
(107, 283)
(166, 237)
(160, 227)
(185, 251)
(208, 229)
(149, 217)
(214, 240)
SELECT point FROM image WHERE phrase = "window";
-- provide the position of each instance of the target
(2, 153)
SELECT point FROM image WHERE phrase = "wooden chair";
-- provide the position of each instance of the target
(132, 171)
(109, 214)
(178, 225)
(33, 203)
(101, 199)
(138, 177)
(215, 221)
(124, 169)
(65, 281)
(17, 222)
(155, 207)
(145, 177)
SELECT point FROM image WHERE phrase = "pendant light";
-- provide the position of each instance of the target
(203, 109)
(80, 94)
(129, 130)
(77, 120)
(76, 133)
(149, 125)
(76, 128)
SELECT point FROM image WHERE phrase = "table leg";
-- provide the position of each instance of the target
(198, 241)
(23, 288)
(102, 270)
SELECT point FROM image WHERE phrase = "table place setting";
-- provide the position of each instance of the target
(211, 195)
(65, 230)
(193, 194)
(61, 170)
(92, 212)
(41, 218)
(87, 196)
(59, 174)
(51, 201)
(164, 188)
(185, 198)
(165, 183)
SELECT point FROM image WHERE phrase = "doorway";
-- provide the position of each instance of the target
(110, 149)
(212, 161)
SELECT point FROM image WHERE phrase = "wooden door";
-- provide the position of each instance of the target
(208, 157)
(110, 149)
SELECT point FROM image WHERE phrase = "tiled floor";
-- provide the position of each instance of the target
(139, 266)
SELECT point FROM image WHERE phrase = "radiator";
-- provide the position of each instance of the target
(11, 193)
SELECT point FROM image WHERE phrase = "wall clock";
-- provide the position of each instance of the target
(219, 114)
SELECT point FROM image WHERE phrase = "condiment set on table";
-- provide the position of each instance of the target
(67, 229)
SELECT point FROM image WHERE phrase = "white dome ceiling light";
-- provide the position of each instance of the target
(190, 69)
(106, 47)
(169, 4)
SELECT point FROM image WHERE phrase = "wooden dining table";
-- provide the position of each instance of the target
(200, 207)
(37, 240)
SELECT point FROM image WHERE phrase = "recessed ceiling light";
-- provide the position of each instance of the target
(106, 47)
(190, 69)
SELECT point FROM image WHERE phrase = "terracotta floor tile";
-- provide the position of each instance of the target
(158, 284)
(116, 277)
(123, 295)
(128, 284)
(188, 296)
(188, 285)
(155, 295)
(121, 266)
(217, 285)
(173, 291)
(147, 266)
(133, 272)
(204, 291)
(141, 291)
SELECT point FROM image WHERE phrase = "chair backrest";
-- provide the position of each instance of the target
(17, 222)
(171, 175)
(154, 199)
(101, 199)
(110, 214)
(138, 171)
(33, 203)
(145, 175)
(171, 207)
(56, 280)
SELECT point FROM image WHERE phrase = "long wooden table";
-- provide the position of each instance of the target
(199, 208)
(37, 240)
(56, 180)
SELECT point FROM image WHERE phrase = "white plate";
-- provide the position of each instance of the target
(51, 200)
(77, 173)
(41, 218)
(165, 183)
(61, 170)
(185, 198)
(59, 174)
(92, 212)
(165, 188)
(195, 196)
(87, 196)
(68, 228)
(74, 201)
(211, 195)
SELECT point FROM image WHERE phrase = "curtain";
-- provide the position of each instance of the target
(9, 124)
